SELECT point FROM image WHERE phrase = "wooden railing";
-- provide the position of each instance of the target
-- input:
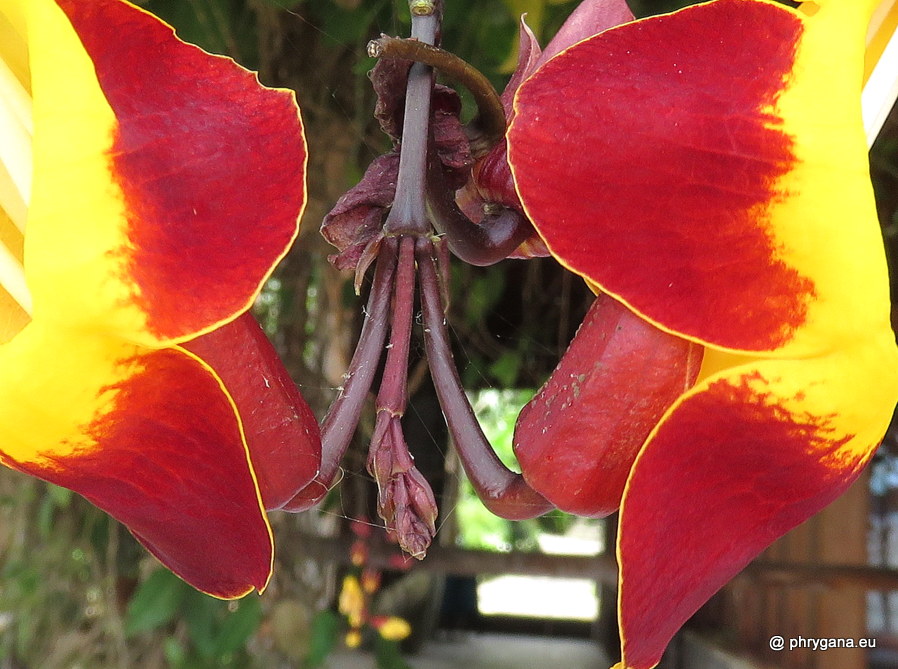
(813, 583)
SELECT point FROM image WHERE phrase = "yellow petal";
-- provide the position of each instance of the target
(78, 219)
(13, 45)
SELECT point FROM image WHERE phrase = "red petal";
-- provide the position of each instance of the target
(645, 155)
(577, 439)
(528, 54)
(589, 18)
(731, 468)
(281, 430)
(210, 163)
(169, 462)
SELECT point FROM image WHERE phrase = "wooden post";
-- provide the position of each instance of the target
(843, 528)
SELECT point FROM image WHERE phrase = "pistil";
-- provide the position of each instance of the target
(488, 127)
(501, 490)
(495, 236)
(342, 419)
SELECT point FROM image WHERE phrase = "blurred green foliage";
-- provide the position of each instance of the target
(478, 528)
(219, 26)
(325, 635)
(61, 560)
(215, 632)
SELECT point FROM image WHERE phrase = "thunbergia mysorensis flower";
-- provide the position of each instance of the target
(692, 174)
(737, 370)
(166, 184)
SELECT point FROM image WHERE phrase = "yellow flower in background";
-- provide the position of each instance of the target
(352, 602)
(391, 628)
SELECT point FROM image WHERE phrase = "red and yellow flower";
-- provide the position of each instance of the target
(707, 172)
(148, 189)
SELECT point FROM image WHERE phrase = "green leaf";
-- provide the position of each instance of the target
(325, 632)
(174, 651)
(155, 603)
(506, 368)
(483, 295)
(388, 654)
(239, 625)
(202, 614)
